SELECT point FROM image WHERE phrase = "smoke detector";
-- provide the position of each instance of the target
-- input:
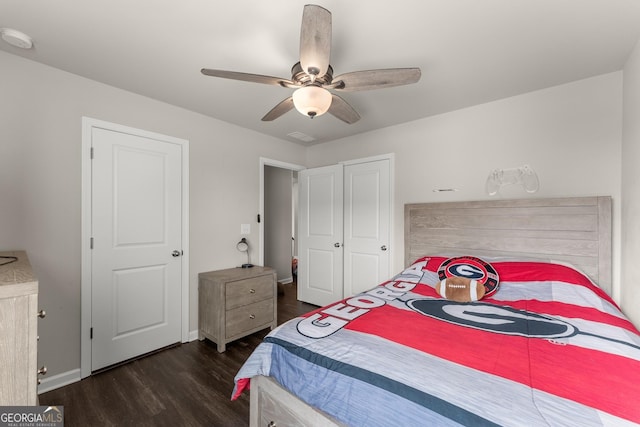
(16, 38)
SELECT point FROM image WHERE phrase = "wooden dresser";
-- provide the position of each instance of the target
(236, 302)
(18, 331)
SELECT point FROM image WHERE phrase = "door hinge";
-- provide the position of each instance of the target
(91, 153)
(91, 333)
(258, 218)
(91, 243)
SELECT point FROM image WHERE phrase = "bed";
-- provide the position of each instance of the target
(545, 345)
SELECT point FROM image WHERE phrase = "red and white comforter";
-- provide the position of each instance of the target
(547, 348)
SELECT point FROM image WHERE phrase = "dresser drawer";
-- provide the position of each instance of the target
(248, 291)
(249, 317)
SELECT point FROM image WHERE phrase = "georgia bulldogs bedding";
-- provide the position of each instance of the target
(544, 347)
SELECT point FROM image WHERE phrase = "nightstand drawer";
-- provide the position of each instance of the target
(248, 291)
(249, 317)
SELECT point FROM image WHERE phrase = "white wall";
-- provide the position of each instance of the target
(630, 295)
(570, 134)
(40, 177)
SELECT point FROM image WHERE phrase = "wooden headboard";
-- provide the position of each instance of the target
(575, 230)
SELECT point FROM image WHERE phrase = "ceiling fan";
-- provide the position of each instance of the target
(312, 77)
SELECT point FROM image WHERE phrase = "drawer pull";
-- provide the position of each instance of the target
(252, 316)
(41, 314)
(42, 371)
(271, 424)
(252, 291)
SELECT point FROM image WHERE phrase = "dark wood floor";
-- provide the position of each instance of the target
(186, 385)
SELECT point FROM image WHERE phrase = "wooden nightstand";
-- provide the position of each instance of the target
(236, 302)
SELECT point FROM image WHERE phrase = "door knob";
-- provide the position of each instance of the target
(175, 253)
(383, 247)
(337, 245)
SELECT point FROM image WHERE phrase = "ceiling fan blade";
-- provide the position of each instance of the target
(277, 111)
(246, 77)
(342, 110)
(315, 40)
(376, 79)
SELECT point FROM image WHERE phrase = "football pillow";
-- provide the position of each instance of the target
(460, 289)
(472, 268)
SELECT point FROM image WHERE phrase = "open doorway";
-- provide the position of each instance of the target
(278, 217)
(279, 214)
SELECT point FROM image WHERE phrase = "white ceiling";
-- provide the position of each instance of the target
(470, 51)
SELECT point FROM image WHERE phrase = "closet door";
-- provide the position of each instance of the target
(366, 225)
(320, 235)
(343, 230)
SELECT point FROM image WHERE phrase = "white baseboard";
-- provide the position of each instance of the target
(59, 380)
(286, 280)
(193, 335)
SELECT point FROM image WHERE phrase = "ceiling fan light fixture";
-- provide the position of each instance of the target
(312, 75)
(312, 100)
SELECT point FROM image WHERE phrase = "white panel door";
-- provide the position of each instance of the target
(320, 235)
(366, 225)
(136, 227)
